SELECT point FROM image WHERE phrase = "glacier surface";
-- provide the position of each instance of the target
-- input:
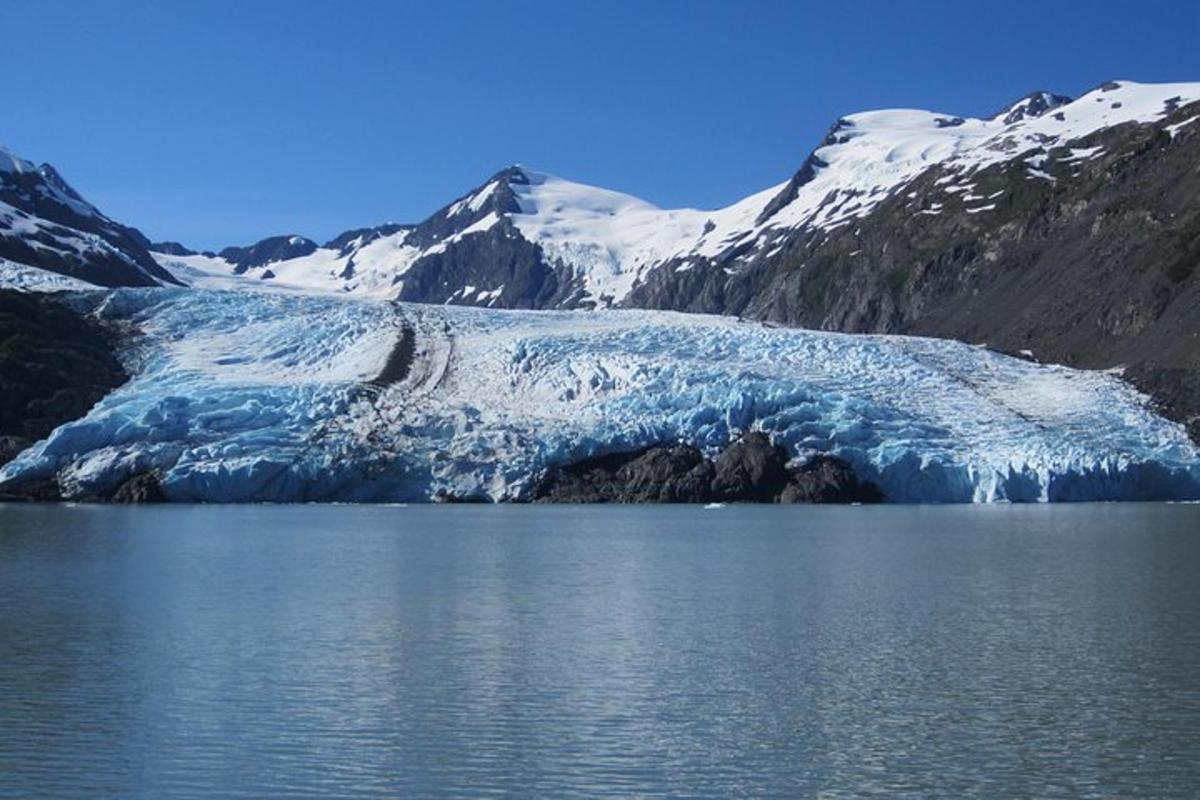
(258, 396)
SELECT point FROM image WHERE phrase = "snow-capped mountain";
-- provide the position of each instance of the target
(44, 223)
(879, 168)
(527, 239)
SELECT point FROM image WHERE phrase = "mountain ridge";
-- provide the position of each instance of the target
(899, 221)
(865, 157)
(45, 223)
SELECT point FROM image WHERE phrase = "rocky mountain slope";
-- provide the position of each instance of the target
(44, 223)
(54, 366)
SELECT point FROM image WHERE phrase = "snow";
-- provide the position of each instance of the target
(269, 394)
(377, 266)
(12, 163)
(613, 239)
(1174, 130)
(490, 296)
(33, 279)
(243, 344)
(610, 240)
(240, 396)
(41, 234)
(1087, 153)
(473, 202)
(485, 223)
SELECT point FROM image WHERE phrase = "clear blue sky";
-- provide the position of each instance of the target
(222, 122)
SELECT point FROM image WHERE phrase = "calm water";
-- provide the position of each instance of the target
(564, 652)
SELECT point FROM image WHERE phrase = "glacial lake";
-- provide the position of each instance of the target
(559, 652)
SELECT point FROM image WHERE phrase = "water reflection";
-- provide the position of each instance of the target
(746, 652)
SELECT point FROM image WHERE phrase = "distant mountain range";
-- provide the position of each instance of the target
(1065, 230)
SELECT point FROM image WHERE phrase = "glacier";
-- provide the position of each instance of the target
(281, 397)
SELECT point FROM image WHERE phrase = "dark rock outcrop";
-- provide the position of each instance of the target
(496, 196)
(504, 269)
(1172, 379)
(826, 479)
(660, 474)
(750, 470)
(44, 491)
(141, 488)
(1032, 105)
(54, 364)
(497, 260)
(491, 264)
(267, 251)
(452, 499)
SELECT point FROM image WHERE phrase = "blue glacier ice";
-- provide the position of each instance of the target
(247, 396)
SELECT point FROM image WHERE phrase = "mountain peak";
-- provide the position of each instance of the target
(1034, 104)
(11, 162)
(517, 175)
(268, 251)
(56, 180)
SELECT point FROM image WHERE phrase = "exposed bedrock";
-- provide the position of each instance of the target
(826, 479)
(54, 366)
(658, 474)
(140, 489)
(749, 470)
